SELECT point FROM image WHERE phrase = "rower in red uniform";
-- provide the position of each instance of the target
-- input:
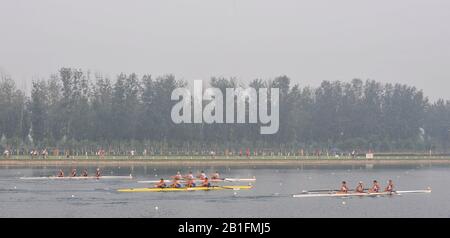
(390, 186)
(190, 180)
(178, 176)
(85, 173)
(375, 187)
(360, 187)
(202, 175)
(161, 184)
(206, 183)
(74, 173)
(215, 175)
(344, 188)
(190, 183)
(61, 173)
(176, 183)
(189, 176)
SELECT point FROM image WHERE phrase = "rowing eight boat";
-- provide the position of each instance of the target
(185, 189)
(359, 194)
(210, 180)
(76, 178)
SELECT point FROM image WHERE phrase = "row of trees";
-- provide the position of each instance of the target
(74, 109)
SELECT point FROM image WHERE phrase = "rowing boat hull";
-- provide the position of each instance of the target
(137, 190)
(359, 194)
(200, 180)
(76, 178)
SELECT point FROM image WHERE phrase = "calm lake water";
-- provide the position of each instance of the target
(270, 197)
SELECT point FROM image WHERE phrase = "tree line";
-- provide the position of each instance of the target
(76, 110)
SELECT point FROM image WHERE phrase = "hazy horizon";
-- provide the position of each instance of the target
(309, 41)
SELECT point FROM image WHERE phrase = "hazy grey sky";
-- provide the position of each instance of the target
(405, 41)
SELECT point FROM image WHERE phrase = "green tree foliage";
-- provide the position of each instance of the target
(14, 117)
(71, 110)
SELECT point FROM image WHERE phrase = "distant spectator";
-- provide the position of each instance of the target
(44, 153)
(101, 153)
(6, 154)
(34, 153)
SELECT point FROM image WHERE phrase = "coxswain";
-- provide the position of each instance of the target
(74, 173)
(61, 173)
(85, 173)
(161, 184)
(359, 188)
(390, 186)
(206, 183)
(375, 187)
(344, 188)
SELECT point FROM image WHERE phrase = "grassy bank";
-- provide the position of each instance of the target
(220, 160)
(232, 158)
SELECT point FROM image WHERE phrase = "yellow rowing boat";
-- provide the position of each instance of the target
(184, 189)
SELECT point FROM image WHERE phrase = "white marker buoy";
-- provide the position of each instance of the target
(156, 208)
(73, 195)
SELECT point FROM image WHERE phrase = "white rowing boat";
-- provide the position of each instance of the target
(200, 180)
(76, 178)
(337, 194)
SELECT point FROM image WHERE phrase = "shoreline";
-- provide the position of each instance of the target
(182, 162)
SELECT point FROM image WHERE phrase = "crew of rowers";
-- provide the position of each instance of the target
(73, 173)
(376, 188)
(189, 179)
